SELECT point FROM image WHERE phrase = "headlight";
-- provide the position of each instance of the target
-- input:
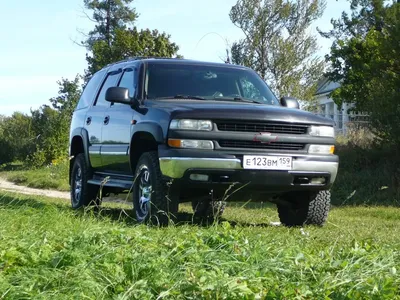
(191, 144)
(322, 131)
(187, 124)
(321, 149)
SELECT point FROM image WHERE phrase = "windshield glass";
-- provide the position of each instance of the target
(166, 80)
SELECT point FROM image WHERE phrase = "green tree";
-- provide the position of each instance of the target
(114, 37)
(109, 15)
(278, 44)
(129, 43)
(364, 59)
(51, 123)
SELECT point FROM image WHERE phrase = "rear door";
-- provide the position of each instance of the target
(95, 119)
(116, 133)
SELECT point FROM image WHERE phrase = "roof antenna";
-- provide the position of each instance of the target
(228, 60)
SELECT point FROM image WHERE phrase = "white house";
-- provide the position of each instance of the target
(328, 109)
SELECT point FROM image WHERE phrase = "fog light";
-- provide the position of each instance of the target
(199, 177)
(318, 180)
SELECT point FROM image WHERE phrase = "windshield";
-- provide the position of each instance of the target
(166, 80)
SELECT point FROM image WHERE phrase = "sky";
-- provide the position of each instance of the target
(38, 40)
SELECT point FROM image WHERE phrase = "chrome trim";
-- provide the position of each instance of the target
(175, 167)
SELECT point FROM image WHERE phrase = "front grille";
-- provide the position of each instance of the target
(272, 127)
(259, 145)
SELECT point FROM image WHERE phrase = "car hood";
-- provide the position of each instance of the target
(231, 110)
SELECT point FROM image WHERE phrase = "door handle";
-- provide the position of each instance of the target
(88, 120)
(106, 120)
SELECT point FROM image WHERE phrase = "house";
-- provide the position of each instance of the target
(329, 109)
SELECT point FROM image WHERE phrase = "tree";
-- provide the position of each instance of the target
(51, 123)
(277, 43)
(364, 59)
(115, 39)
(129, 43)
(109, 15)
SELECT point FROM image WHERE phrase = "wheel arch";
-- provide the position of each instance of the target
(78, 144)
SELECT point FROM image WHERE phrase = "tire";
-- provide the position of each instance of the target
(208, 209)
(309, 208)
(151, 201)
(82, 193)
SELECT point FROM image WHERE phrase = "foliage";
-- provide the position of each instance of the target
(109, 16)
(52, 124)
(113, 39)
(364, 59)
(50, 251)
(17, 138)
(278, 44)
(42, 136)
(129, 43)
(53, 176)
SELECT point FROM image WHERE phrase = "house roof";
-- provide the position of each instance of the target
(326, 86)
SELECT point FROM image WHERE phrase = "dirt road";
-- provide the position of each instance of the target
(12, 187)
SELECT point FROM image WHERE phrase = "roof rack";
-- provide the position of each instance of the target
(133, 58)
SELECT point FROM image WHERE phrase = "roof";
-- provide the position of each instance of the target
(326, 86)
(177, 61)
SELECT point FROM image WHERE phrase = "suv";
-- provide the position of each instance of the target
(175, 130)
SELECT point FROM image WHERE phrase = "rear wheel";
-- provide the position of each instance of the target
(82, 193)
(151, 201)
(308, 208)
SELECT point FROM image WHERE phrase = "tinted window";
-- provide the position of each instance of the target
(127, 81)
(89, 93)
(209, 82)
(110, 81)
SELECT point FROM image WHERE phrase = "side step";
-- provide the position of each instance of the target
(117, 182)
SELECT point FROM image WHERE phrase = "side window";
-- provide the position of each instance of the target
(110, 82)
(89, 92)
(127, 81)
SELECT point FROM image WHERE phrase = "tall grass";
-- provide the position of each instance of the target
(48, 251)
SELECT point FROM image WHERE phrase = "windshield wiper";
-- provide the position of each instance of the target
(239, 99)
(183, 97)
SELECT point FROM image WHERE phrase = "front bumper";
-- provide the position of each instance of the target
(224, 168)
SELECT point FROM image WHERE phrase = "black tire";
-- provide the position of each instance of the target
(308, 208)
(80, 174)
(208, 209)
(151, 200)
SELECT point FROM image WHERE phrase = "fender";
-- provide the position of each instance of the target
(81, 132)
(151, 127)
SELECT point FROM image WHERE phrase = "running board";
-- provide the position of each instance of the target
(112, 182)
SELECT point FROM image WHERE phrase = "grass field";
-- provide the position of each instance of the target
(48, 251)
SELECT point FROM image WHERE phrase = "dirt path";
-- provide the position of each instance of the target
(12, 187)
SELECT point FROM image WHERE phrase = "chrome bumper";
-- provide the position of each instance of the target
(175, 167)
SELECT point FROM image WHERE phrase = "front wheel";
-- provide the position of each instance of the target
(151, 201)
(306, 208)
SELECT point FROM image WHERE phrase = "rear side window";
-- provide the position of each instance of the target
(110, 82)
(89, 93)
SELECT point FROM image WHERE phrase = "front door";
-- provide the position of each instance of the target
(95, 119)
(116, 133)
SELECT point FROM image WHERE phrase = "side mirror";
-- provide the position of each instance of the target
(118, 95)
(290, 102)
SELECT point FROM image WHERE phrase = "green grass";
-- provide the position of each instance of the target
(48, 251)
(52, 177)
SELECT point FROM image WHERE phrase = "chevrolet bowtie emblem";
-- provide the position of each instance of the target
(264, 137)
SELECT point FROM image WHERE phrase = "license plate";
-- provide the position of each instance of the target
(267, 162)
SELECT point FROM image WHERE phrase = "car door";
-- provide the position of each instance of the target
(95, 119)
(116, 133)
